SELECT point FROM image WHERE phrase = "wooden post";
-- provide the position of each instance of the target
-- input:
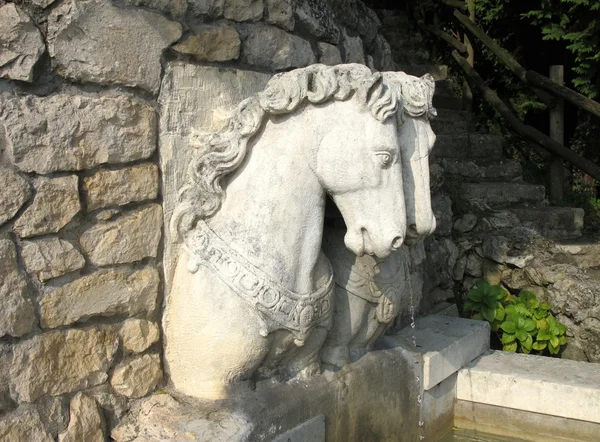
(557, 133)
(467, 92)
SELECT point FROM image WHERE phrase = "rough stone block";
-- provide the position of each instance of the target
(118, 187)
(55, 204)
(538, 384)
(51, 257)
(315, 18)
(138, 334)
(60, 362)
(328, 54)
(497, 194)
(16, 311)
(104, 293)
(382, 54)
(94, 41)
(281, 13)
(21, 42)
(271, 48)
(85, 423)
(137, 377)
(447, 344)
(211, 43)
(76, 132)
(174, 8)
(23, 424)
(211, 8)
(14, 193)
(243, 10)
(354, 51)
(131, 237)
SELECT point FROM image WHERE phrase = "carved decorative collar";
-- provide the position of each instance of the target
(279, 307)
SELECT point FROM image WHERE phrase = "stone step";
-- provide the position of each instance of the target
(538, 384)
(468, 146)
(399, 42)
(450, 121)
(438, 72)
(553, 222)
(495, 195)
(481, 170)
(446, 102)
(585, 251)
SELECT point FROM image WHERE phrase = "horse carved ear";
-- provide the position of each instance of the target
(430, 83)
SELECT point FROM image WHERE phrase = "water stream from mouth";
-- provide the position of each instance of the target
(413, 326)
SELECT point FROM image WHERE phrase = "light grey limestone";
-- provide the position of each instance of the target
(243, 10)
(138, 377)
(272, 48)
(281, 13)
(122, 186)
(94, 41)
(60, 362)
(55, 204)
(194, 98)
(16, 313)
(104, 293)
(75, 132)
(162, 418)
(258, 215)
(316, 18)
(14, 193)
(211, 43)
(354, 51)
(51, 257)
(23, 425)
(538, 384)
(131, 237)
(21, 44)
(328, 54)
(138, 334)
(85, 423)
(447, 344)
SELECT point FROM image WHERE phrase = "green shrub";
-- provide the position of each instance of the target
(522, 323)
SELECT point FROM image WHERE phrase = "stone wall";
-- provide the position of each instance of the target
(80, 195)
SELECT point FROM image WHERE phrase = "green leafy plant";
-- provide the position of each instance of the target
(522, 323)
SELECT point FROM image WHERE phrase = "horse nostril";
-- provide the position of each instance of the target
(413, 229)
(397, 242)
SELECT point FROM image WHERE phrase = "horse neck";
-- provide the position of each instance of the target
(274, 208)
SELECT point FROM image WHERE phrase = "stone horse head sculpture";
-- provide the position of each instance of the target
(252, 292)
(370, 290)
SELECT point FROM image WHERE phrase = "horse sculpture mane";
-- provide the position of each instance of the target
(222, 153)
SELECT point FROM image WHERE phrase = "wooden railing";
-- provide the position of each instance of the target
(550, 91)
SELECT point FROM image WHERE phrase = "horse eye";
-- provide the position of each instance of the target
(384, 158)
